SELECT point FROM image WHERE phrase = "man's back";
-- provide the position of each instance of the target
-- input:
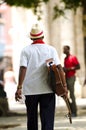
(34, 57)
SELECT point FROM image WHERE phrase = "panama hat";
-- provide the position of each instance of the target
(36, 31)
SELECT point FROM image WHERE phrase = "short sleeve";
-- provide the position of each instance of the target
(23, 59)
(75, 60)
(56, 57)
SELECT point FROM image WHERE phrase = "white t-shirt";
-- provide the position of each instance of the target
(34, 58)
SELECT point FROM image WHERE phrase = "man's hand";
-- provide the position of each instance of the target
(18, 95)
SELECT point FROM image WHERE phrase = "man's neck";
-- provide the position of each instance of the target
(38, 41)
(67, 54)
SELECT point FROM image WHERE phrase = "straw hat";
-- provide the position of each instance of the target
(36, 31)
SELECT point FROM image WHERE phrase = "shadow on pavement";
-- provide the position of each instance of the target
(8, 126)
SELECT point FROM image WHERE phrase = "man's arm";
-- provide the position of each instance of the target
(77, 67)
(22, 72)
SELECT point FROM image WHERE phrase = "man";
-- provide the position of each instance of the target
(71, 64)
(32, 81)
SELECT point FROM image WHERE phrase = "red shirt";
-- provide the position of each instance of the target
(70, 61)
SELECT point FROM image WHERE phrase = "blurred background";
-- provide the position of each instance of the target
(65, 25)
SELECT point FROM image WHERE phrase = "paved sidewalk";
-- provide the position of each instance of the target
(61, 122)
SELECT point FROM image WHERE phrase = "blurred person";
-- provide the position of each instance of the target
(4, 107)
(2, 91)
(32, 82)
(10, 84)
(71, 64)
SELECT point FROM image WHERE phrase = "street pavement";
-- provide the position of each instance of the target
(18, 122)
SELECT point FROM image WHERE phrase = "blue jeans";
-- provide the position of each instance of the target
(47, 110)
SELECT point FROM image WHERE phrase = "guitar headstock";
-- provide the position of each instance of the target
(50, 62)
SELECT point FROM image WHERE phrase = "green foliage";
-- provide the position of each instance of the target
(33, 4)
(57, 12)
(68, 4)
(24, 3)
(72, 4)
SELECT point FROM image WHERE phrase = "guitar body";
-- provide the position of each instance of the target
(55, 82)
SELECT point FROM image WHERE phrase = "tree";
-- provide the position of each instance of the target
(33, 4)
(68, 4)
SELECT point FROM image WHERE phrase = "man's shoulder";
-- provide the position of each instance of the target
(72, 56)
(26, 47)
(31, 47)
